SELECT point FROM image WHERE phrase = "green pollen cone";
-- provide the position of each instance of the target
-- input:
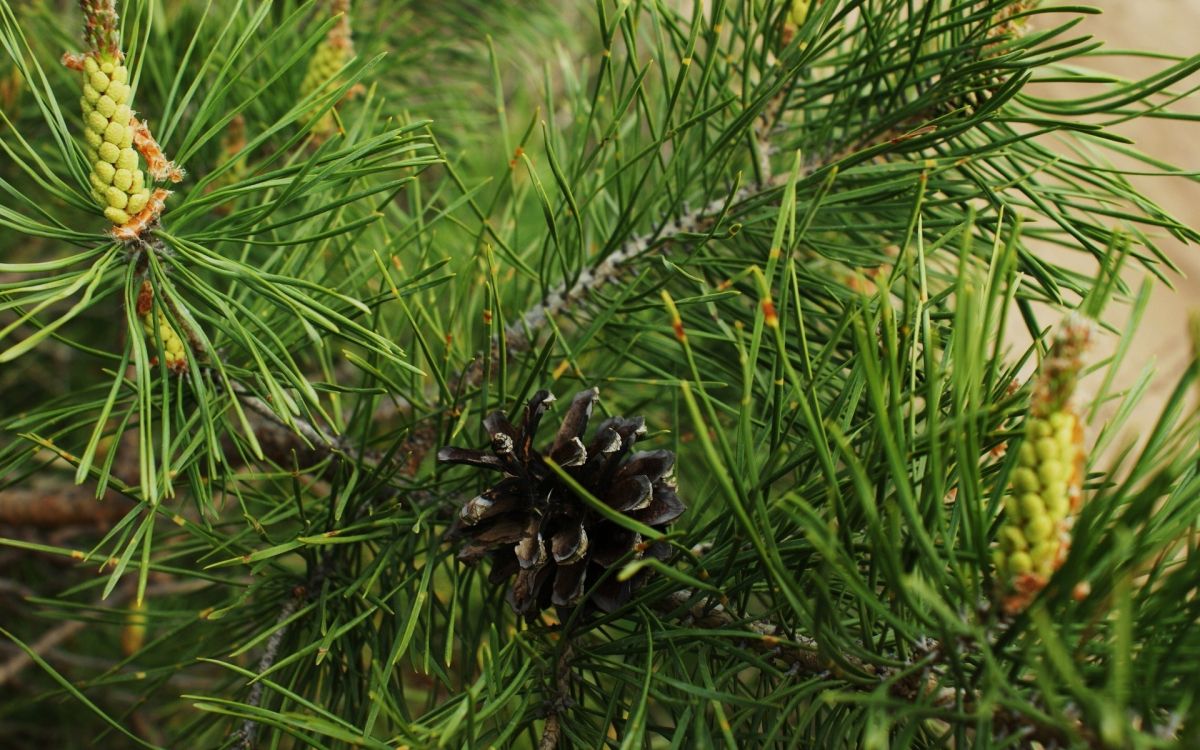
(1031, 540)
(118, 184)
(173, 353)
(326, 61)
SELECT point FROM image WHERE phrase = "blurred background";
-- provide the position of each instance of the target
(1167, 27)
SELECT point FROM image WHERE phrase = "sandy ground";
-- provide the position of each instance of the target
(1168, 27)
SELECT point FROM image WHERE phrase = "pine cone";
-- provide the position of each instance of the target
(532, 524)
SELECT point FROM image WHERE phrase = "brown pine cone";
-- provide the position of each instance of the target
(533, 525)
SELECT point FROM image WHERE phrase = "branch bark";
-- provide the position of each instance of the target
(60, 506)
(245, 735)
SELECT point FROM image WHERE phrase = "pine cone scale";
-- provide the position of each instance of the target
(569, 584)
(631, 493)
(611, 594)
(571, 454)
(502, 499)
(569, 546)
(526, 592)
(504, 566)
(502, 532)
(654, 465)
(479, 459)
(664, 508)
(531, 548)
(575, 421)
(618, 542)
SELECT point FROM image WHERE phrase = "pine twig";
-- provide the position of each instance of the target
(71, 505)
(304, 437)
(519, 335)
(316, 436)
(552, 732)
(245, 735)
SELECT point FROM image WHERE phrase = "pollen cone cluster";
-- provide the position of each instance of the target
(796, 16)
(1045, 486)
(12, 86)
(537, 530)
(1047, 482)
(326, 61)
(133, 634)
(156, 320)
(118, 184)
(331, 54)
(798, 13)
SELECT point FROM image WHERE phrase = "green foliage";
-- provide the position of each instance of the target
(796, 260)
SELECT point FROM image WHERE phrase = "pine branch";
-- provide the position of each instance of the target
(520, 335)
(69, 505)
(310, 442)
(842, 482)
(314, 436)
(918, 680)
